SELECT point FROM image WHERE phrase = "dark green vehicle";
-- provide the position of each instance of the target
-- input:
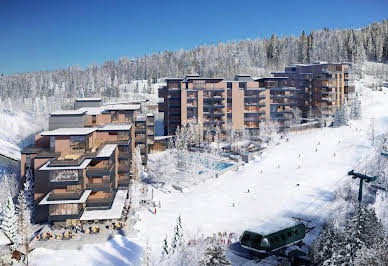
(271, 241)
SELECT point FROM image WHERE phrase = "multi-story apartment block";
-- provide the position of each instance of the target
(243, 102)
(322, 86)
(82, 163)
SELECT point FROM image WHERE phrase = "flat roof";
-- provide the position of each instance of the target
(83, 165)
(69, 112)
(88, 99)
(76, 131)
(106, 151)
(115, 107)
(115, 127)
(113, 213)
(82, 199)
(92, 110)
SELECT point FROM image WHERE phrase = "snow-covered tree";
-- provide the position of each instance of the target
(29, 192)
(345, 112)
(376, 255)
(147, 257)
(214, 255)
(217, 136)
(166, 249)
(10, 221)
(135, 169)
(177, 240)
(9, 186)
(355, 111)
(23, 222)
(269, 131)
(372, 131)
(296, 116)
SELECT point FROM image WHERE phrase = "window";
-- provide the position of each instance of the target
(113, 133)
(77, 144)
(242, 85)
(64, 209)
(115, 116)
(52, 143)
(289, 234)
(94, 119)
(229, 85)
(123, 136)
(283, 237)
(28, 160)
(73, 188)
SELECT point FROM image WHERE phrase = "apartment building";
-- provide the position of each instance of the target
(243, 102)
(322, 86)
(81, 165)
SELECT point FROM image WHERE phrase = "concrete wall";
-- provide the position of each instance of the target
(237, 106)
(66, 121)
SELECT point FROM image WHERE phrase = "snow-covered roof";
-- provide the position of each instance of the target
(80, 131)
(113, 213)
(4, 239)
(140, 118)
(88, 99)
(115, 127)
(82, 199)
(272, 226)
(83, 165)
(92, 110)
(163, 137)
(106, 151)
(116, 107)
(69, 112)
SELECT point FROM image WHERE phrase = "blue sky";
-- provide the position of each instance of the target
(43, 35)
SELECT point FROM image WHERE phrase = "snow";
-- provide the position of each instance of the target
(14, 128)
(106, 151)
(69, 112)
(113, 127)
(69, 131)
(4, 240)
(274, 194)
(83, 165)
(82, 199)
(113, 213)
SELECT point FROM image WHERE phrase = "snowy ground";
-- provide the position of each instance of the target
(14, 127)
(207, 208)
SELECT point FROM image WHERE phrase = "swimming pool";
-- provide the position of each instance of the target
(222, 166)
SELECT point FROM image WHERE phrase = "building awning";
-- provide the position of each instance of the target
(106, 151)
(113, 213)
(82, 199)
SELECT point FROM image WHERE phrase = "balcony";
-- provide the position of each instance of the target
(65, 196)
(104, 186)
(99, 171)
(100, 202)
(123, 181)
(214, 106)
(140, 139)
(215, 114)
(123, 169)
(124, 155)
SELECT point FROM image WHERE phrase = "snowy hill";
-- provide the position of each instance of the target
(16, 129)
(317, 160)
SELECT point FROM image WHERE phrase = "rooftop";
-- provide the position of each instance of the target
(82, 199)
(80, 131)
(106, 151)
(115, 127)
(83, 165)
(88, 99)
(113, 213)
(69, 112)
(116, 107)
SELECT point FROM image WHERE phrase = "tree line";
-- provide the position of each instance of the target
(225, 59)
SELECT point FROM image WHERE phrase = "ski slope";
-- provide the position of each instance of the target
(326, 155)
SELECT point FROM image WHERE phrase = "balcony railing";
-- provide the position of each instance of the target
(65, 196)
(106, 185)
(99, 171)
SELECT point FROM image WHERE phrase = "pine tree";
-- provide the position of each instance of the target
(337, 120)
(177, 240)
(24, 222)
(136, 164)
(166, 249)
(325, 245)
(345, 113)
(9, 224)
(147, 257)
(357, 112)
(29, 192)
(214, 255)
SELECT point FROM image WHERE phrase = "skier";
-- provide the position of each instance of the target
(316, 149)
(155, 210)
(248, 190)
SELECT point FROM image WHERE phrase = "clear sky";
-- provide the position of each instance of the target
(43, 35)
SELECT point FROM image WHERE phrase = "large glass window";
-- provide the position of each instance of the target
(52, 143)
(77, 144)
(64, 209)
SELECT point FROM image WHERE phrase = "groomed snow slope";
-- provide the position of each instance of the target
(207, 208)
